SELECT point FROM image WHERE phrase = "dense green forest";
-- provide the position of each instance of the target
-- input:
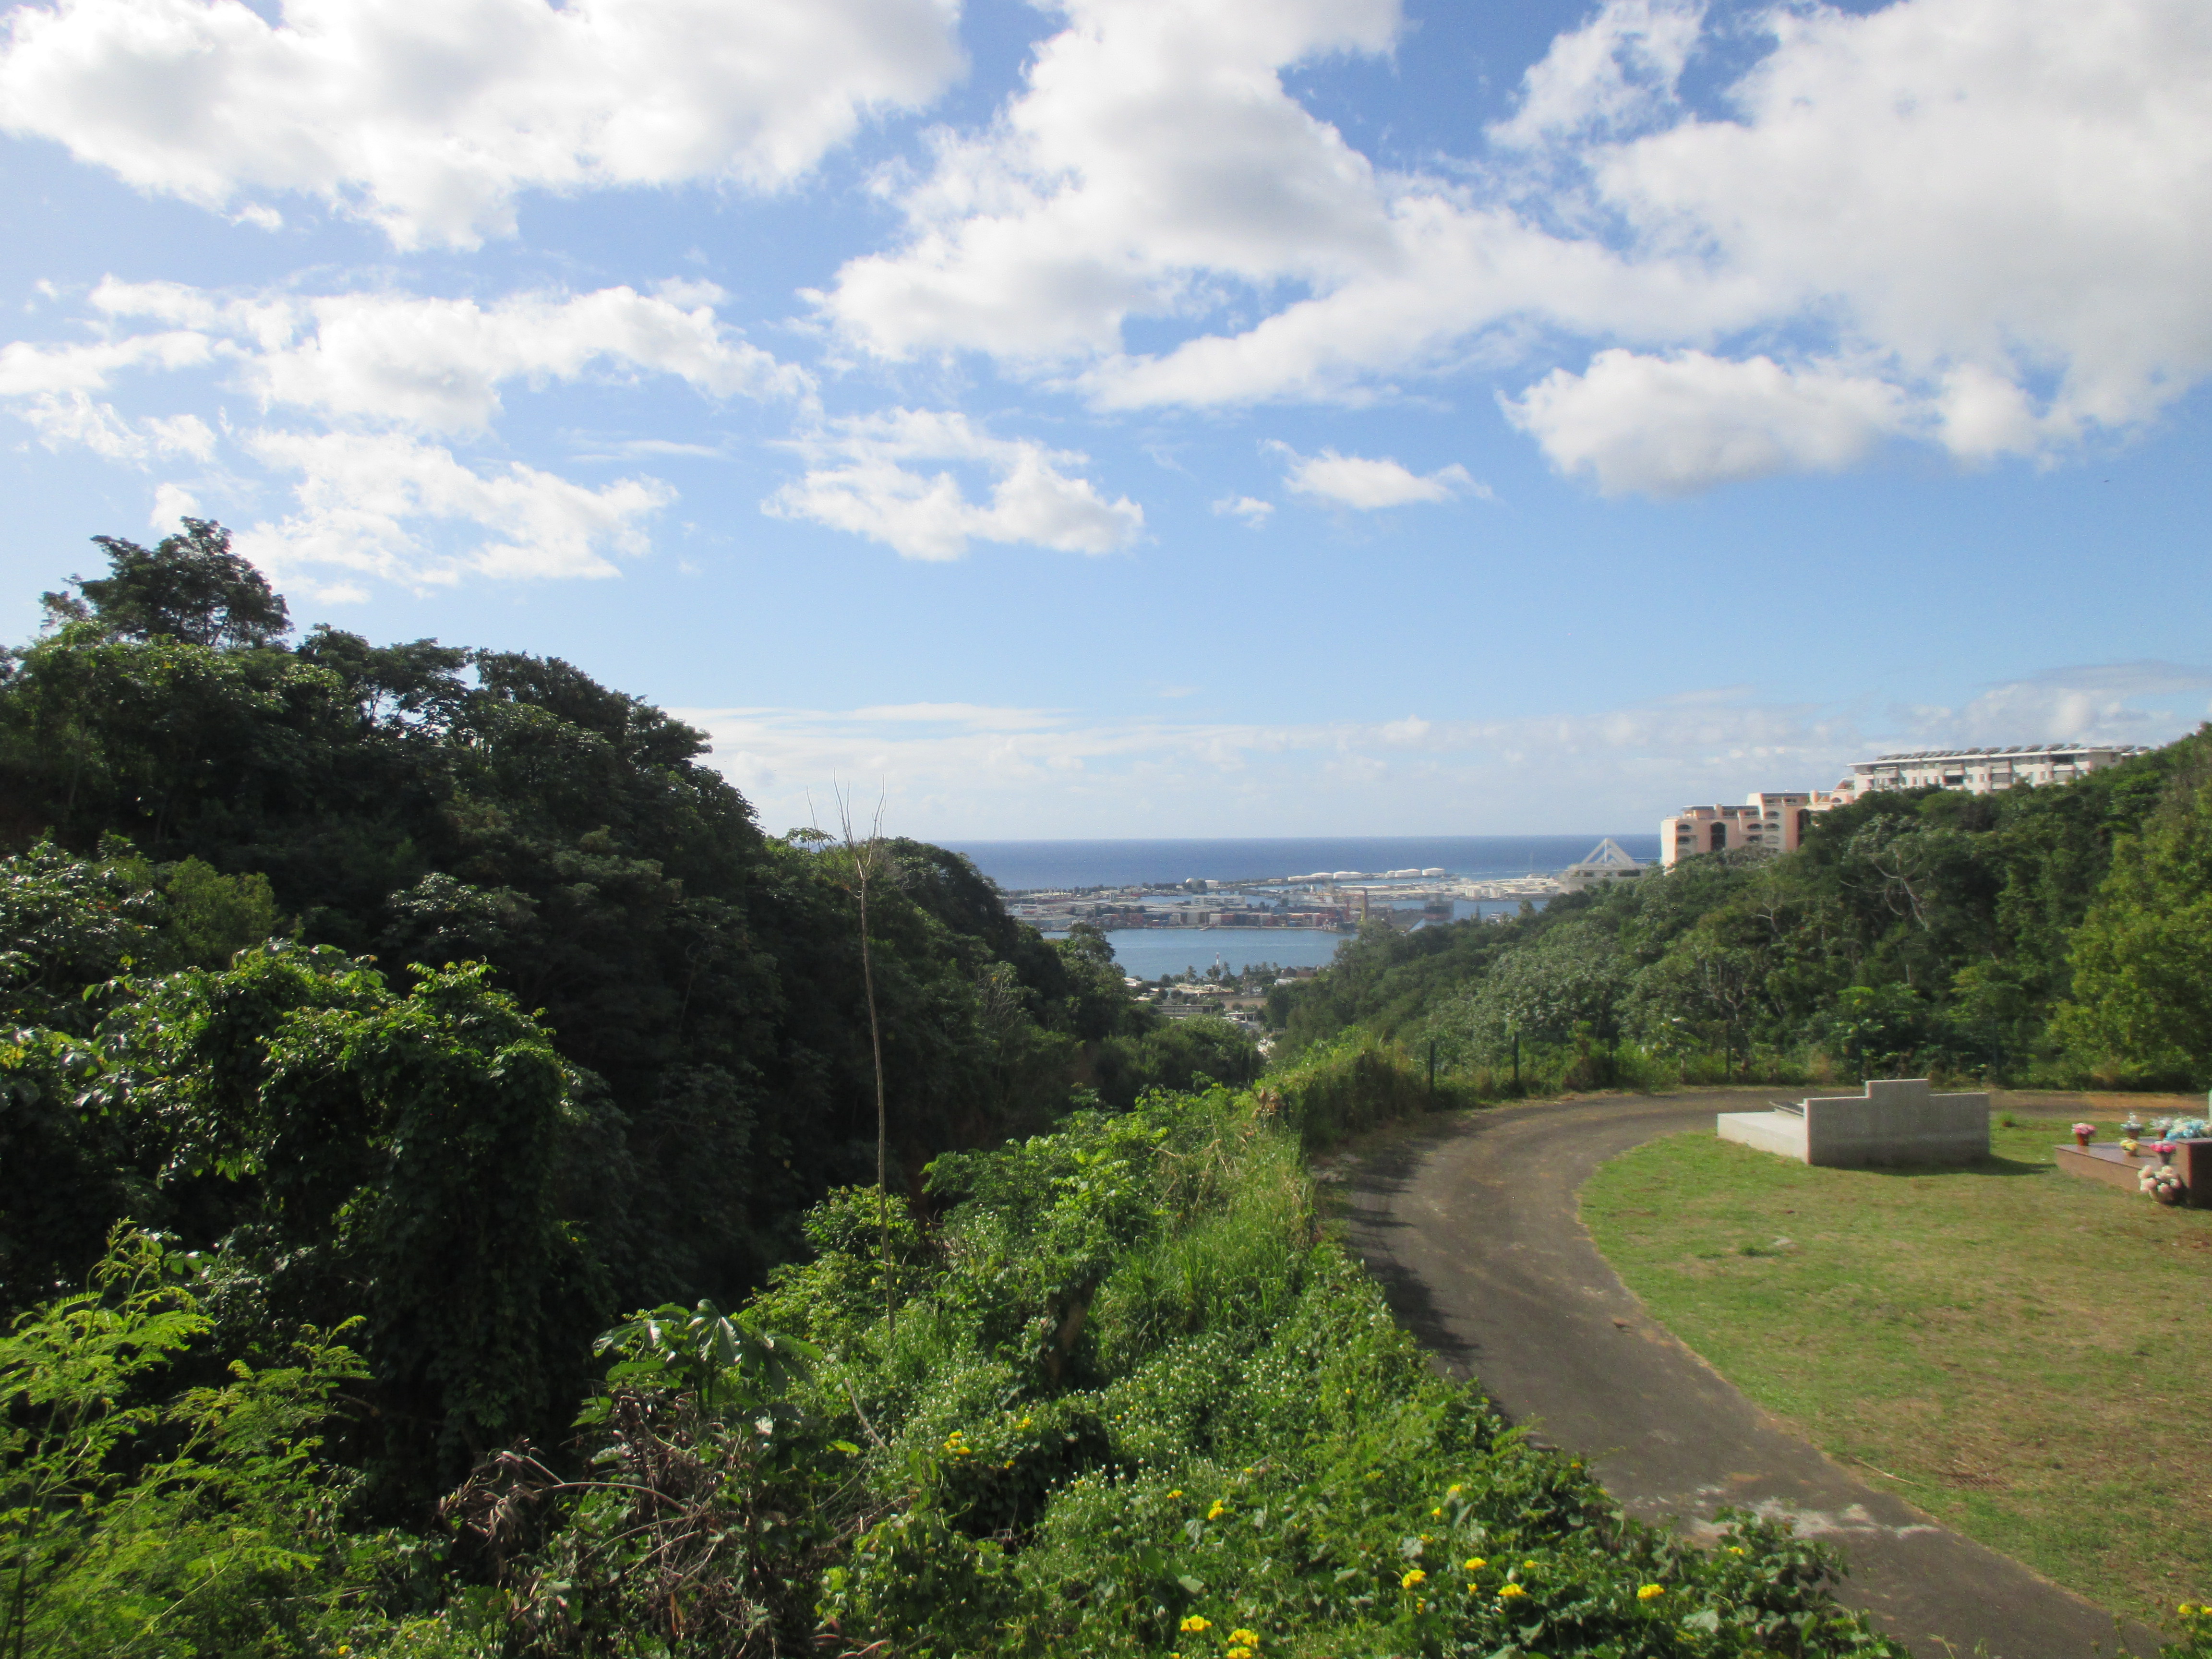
(439, 1129)
(2057, 936)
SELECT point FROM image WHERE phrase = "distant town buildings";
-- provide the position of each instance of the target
(1778, 821)
(1984, 771)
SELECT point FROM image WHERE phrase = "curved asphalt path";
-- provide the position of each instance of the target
(1472, 1228)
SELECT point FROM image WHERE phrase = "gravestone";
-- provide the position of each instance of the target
(1890, 1122)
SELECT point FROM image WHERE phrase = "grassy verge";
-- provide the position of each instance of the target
(2022, 1354)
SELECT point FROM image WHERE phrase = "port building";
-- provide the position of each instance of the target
(1607, 861)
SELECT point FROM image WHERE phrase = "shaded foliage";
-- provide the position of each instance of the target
(660, 1057)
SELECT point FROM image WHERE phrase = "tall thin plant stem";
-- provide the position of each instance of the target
(866, 856)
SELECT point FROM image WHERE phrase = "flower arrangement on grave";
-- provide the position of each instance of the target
(2164, 1149)
(2130, 1145)
(2082, 1132)
(2132, 1128)
(2187, 1128)
(2161, 1182)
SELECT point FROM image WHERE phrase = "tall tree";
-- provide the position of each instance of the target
(190, 588)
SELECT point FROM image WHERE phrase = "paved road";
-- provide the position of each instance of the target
(1471, 1226)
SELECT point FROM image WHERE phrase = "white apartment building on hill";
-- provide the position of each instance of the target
(1983, 771)
(1778, 820)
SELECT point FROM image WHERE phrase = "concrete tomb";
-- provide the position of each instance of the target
(1892, 1120)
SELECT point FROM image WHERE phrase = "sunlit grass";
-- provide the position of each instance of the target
(2024, 1355)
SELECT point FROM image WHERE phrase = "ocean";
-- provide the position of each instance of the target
(1020, 866)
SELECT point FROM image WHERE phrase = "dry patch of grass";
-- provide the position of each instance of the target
(2024, 1355)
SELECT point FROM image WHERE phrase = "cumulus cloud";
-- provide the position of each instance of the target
(1978, 223)
(1616, 73)
(430, 120)
(437, 364)
(1666, 426)
(388, 505)
(1249, 508)
(1153, 146)
(860, 480)
(371, 377)
(1358, 481)
(75, 420)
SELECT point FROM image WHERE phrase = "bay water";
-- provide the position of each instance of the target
(1148, 953)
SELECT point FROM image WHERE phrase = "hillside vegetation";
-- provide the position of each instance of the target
(440, 1217)
(2057, 936)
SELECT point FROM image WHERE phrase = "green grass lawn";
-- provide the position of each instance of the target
(2024, 1355)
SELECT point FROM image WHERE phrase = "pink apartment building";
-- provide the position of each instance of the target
(1775, 819)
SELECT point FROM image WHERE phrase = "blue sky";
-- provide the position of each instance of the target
(1278, 416)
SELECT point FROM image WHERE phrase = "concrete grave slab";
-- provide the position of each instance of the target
(1890, 1122)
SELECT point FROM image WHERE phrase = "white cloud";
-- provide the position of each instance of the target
(1616, 72)
(437, 364)
(1153, 146)
(73, 420)
(373, 503)
(1358, 481)
(29, 370)
(372, 373)
(964, 770)
(1978, 223)
(859, 481)
(431, 119)
(954, 770)
(1251, 508)
(2096, 703)
(1666, 426)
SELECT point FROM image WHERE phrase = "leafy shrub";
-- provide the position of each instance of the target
(1134, 1401)
(1341, 1089)
(148, 1518)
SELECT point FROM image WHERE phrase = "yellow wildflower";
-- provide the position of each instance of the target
(1236, 1653)
(1177, 1492)
(1245, 1638)
(1476, 1564)
(1650, 1592)
(1026, 1422)
(1507, 1592)
(1735, 1549)
(1433, 1514)
(1219, 1510)
(1416, 1577)
(1197, 1624)
(1454, 1492)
